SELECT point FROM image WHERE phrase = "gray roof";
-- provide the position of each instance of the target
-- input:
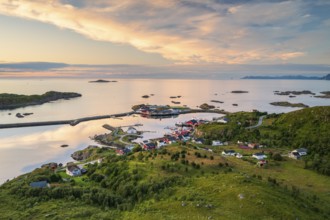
(302, 150)
(39, 184)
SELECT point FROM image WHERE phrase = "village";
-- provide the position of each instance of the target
(123, 140)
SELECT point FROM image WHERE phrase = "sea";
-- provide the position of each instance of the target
(24, 149)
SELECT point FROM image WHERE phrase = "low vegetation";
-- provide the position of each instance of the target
(11, 101)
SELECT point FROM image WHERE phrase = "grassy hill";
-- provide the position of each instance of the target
(178, 182)
(306, 128)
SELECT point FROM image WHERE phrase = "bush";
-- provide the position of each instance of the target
(277, 157)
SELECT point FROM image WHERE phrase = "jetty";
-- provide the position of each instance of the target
(72, 122)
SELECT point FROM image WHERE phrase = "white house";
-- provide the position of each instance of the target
(228, 153)
(294, 155)
(161, 143)
(217, 143)
(131, 130)
(73, 170)
(238, 155)
(301, 151)
(259, 156)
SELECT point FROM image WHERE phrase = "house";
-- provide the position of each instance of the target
(238, 155)
(294, 155)
(259, 156)
(39, 184)
(171, 140)
(161, 143)
(301, 151)
(228, 153)
(131, 130)
(217, 143)
(149, 146)
(192, 122)
(253, 146)
(122, 151)
(73, 170)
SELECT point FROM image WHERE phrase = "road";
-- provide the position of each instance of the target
(258, 124)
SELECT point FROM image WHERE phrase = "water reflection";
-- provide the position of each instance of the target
(24, 149)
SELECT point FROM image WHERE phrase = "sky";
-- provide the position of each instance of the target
(210, 35)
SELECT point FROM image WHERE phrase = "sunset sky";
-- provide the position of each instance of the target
(166, 32)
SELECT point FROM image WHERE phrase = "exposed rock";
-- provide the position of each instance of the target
(27, 114)
(19, 115)
(304, 92)
(235, 104)
(326, 95)
(84, 154)
(206, 106)
(101, 81)
(239, 91)
(216, 101)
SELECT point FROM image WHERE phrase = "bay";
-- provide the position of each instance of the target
(24, 149)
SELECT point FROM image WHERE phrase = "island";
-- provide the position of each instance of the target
(289, 77)
(12, 101)
(217, 101)
(239, 91)
(288, 104)
(102, 81)
(293, 93)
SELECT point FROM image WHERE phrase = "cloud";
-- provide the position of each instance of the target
(193, 31)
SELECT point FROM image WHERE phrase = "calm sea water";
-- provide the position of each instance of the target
(23, 149)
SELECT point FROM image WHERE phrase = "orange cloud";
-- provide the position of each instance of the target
(185, 33)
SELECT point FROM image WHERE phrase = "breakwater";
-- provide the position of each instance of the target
(74, 122)
(63, 122)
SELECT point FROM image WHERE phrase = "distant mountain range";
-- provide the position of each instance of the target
(300, 77)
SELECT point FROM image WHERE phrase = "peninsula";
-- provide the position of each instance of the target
(12, 101)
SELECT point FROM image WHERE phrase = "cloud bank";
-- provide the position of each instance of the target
(187, 31)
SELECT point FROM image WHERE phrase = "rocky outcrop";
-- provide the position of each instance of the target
(304, 92)
(206, 106)
(84, 154)
(239, 91)
(325, 95)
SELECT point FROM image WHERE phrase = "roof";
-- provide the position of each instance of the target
(39, 184)
(229, 151)
(301, 150)
(259, 154)
(72, 167)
